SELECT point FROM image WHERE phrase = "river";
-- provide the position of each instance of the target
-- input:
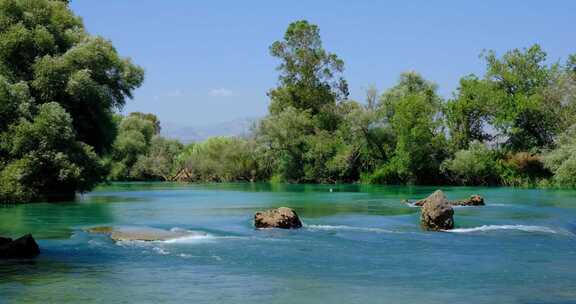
(359, 244)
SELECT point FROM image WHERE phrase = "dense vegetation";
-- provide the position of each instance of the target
(60, 89)
(512, 126)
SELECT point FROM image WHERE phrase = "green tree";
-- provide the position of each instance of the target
(43, 44)
(410, 83)
(46, 160)
(420, 147)
(309, 75)
(476, 165)
(159, 162)
(412, 108)
(370, 137)
(521, 113)
(150, 117)
(470, 113)
(135, 133)
(297, 138)
(562, 160)
(284, 136)
(47, 57)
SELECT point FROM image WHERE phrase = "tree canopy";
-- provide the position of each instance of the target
(55, 77)
(61, 90)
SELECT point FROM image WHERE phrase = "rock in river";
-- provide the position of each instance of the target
(282, 217)
(437, 213)
(24, 247)
(474, 200)
(146, 234)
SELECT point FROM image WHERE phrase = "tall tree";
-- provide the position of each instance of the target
(310, 77)
(53, 74)
(519, 79)
(135, 133)
(469, 114)
(412, 108)
(43, 44)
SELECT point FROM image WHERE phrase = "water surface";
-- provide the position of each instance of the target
(359, 245)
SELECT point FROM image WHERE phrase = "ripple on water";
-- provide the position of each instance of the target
(522, 228)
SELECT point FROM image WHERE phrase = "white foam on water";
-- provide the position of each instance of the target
(524, 228)
(411, 204)
(193, 238)
(160, 250)
(347, 228)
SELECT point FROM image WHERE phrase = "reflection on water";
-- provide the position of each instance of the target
(360, 244)
(51, 220)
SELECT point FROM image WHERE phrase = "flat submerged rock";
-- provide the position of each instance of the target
(146, 234)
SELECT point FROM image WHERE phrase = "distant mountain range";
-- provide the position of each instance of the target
(188, 134)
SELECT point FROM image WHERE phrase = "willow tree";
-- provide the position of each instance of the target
(47, 58)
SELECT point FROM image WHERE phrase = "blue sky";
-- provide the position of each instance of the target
(208, 62)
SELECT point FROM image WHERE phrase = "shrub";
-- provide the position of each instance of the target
(221, 159)
(562, 160)
(523, 169)
(159, 163)
(386, 174)
(476, 165)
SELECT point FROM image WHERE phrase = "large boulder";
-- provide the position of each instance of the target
(437, 213)
(24, 247)
(4, 241)
(282, 217)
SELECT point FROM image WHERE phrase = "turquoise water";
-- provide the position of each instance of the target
(359, 245)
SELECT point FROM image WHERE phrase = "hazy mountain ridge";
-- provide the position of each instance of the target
(197, 133)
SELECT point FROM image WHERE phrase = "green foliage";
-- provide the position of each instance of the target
(221, 159)
(15, 102)
(150, 117)
(285, 136)
(44, 160)
(562, 160)
(469, 114)
(370, 139)
(477, 165)
(519, 78)
(412, 108)
(90, 81)
(59, 87)
(410, 83)
(522, 169)
(43, 44)
(308, 74)
(135, 133)
(159, 162)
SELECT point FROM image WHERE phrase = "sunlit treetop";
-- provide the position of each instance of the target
(45, 46)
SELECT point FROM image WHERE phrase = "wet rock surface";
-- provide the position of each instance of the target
(145, 234)
(437, 213)
(23, 247)
(284, 218)
(473, 200)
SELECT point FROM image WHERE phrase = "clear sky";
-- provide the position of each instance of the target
(208, 61)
